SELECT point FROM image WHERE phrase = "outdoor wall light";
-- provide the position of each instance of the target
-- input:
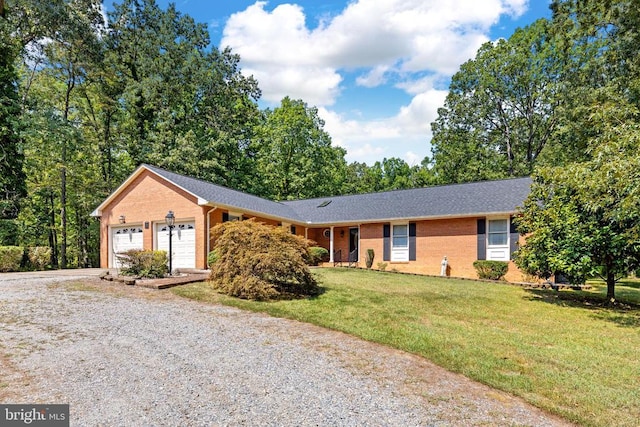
(122, 219)
(171, 220)
(341, 233)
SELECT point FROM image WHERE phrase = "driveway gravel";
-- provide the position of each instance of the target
(126, 356)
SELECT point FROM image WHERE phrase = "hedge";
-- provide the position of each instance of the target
(492, 270)
(10, 258)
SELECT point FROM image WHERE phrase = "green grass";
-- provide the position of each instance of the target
(559, 350)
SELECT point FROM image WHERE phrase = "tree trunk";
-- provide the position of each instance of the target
(611, 286)
(53, 242)
(63, 216)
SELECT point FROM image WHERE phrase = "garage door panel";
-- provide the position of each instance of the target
(183, 244)
(124, 239)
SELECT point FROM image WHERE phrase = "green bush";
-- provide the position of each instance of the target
(144, 263)
(10, 258)
(39, 257)
(8, 232)
(317, 254)
(261, 262)
(212, 258)
(382, 266)
(492, 270)
(369, 258)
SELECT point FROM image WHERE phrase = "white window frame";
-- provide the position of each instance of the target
(235, 216)
(399, 253)
(500, 252)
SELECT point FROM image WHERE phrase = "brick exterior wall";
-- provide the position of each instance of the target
(148, 198)
(454, 238)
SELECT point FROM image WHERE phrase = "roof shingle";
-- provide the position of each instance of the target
(457, 200)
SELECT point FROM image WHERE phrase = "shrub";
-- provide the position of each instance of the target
(10, 258)
(382, 266)
(144, 263)
(261, 262)
(39, 257)
(8, 232)
(317, 254)
(492, 270)
(369, 258)
(212, 258)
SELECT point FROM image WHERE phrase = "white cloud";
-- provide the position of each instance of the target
(412, 158)
(414, 44)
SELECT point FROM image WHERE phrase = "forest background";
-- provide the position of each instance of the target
(86, 98)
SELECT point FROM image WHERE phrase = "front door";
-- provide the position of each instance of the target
(353, 245)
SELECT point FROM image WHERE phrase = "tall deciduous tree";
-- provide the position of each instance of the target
(12, 177)
(186, 107)
(295, 156)
(598, 43)
(500, 111)
(584, 220)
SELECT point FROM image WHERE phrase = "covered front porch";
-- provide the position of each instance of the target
(342, 242)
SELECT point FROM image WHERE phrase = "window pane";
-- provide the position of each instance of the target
(497, 225)
(400, 241)
(497, 239)
(400, 236)
(400, 230)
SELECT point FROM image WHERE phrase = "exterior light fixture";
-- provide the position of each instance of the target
(171, 220)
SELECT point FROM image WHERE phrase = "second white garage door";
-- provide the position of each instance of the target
(183, 243)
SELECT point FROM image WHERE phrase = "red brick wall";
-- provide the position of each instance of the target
(454, 238)
(148, 199)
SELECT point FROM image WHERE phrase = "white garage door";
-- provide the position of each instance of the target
(123, 239)
(183, 244)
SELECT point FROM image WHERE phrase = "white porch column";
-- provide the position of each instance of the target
(331, 244)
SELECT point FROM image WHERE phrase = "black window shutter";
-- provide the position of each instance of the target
(482, 239)
(225, 216)
(412, 241)
(514, 236)
(386, 246)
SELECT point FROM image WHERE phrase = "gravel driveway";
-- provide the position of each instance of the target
(125, 356)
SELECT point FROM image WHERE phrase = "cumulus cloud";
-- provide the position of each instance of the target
(413, 44)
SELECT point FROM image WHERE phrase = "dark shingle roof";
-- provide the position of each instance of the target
(226, 196)
(476, 198)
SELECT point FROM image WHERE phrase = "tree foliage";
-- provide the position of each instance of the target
(500, 111)
(12, 177)
(261, 262)
(295, 158)
(584, 220)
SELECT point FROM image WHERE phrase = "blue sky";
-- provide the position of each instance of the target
(377, 70)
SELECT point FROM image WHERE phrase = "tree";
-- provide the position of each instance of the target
(12, 176)
(597, 42)
(185, 106)
(295, 158)
(584, 220)
(500, 110)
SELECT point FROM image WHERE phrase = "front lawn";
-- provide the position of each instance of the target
(577, 359)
